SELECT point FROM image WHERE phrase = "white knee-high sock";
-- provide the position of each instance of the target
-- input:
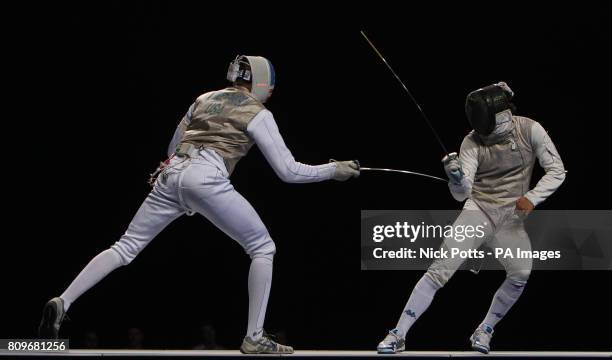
(260, 280)
(507, 294)
(105, 262)
(419, 301)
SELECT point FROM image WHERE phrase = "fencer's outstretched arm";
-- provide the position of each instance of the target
(264, 131)
(180, 131)
(550, 161)
(468, 158)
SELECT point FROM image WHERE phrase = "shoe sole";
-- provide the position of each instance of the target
(46, 329)
(264, 352)
(246, 352)
(480, 349)
(390, 351)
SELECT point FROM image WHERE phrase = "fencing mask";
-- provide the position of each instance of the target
(254, 69)
(481, 106)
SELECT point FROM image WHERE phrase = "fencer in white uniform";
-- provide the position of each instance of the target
(218, 129)
(493, 172)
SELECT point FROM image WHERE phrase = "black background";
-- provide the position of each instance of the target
(99, 89)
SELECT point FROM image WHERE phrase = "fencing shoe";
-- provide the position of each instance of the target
(481, 338)
(392, 344)
(53, 315)
(265, 345)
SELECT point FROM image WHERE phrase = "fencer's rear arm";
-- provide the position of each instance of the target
(550, 161)
(468, 157)
(180, 131)
(264, 131)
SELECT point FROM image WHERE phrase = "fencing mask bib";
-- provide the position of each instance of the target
(257, 70)
(483, 104)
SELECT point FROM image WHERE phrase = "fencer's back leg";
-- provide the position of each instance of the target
(155, 213)
(511, 235)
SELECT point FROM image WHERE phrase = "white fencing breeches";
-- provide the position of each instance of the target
(510, 234)
(192, 185)
(201, 186)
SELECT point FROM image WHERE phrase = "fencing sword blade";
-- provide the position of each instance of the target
(407, 91)
(497, 201)
(403, 172)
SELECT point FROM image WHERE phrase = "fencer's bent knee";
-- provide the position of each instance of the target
(265, 249)
(122, 259)
(519, 277)
(127, 249)
(439, 277)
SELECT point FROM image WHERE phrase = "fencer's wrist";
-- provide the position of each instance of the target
(532, 199)
(454, 182)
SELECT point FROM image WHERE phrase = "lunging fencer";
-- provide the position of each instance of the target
(216, 132)
(493, 172)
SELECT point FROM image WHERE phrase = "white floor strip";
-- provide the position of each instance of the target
(311, 353)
